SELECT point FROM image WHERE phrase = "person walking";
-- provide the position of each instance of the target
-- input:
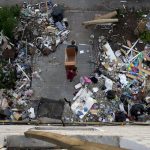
(73, 45)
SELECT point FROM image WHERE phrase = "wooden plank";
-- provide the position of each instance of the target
(133, 46)
(70, 63)
(126, 47)
(145, 71)
(123, 51)
(99, 21)
(134, 77)
(68, 142)
(129, 43)
(106, 16)
(33, 122)
(70, 57)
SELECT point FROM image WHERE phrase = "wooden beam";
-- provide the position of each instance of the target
(129, 43)
(106, 16)
(133, 46)
(68, 142)
(99, 21)
(126, 47)
(134, 77)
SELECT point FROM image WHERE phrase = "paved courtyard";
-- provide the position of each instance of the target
(53, 83)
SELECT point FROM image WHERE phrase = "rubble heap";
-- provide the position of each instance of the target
(41, 28)
(119, 88)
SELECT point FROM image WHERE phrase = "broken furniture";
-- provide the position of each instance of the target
(70, 58)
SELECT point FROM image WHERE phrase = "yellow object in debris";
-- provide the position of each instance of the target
(131, 65)
(51, 29)
(94, 112)
(17, 116)
(129, 68)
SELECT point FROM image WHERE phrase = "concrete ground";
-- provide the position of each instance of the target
(129, 137)
(53, 83)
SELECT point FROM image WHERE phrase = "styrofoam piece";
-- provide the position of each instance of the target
(109, 52)
(77, 86)
(31, 113)
(123, 79)
(95, 89)
(81, 51)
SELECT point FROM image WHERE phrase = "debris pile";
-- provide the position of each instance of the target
(119, 88)
(117, 91)
(41, 28)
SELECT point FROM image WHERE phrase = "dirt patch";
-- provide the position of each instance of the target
(123, 30)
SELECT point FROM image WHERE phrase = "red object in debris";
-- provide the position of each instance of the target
(135, 69)
(71, 74)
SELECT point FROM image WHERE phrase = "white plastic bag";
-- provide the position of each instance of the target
(108, 84)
